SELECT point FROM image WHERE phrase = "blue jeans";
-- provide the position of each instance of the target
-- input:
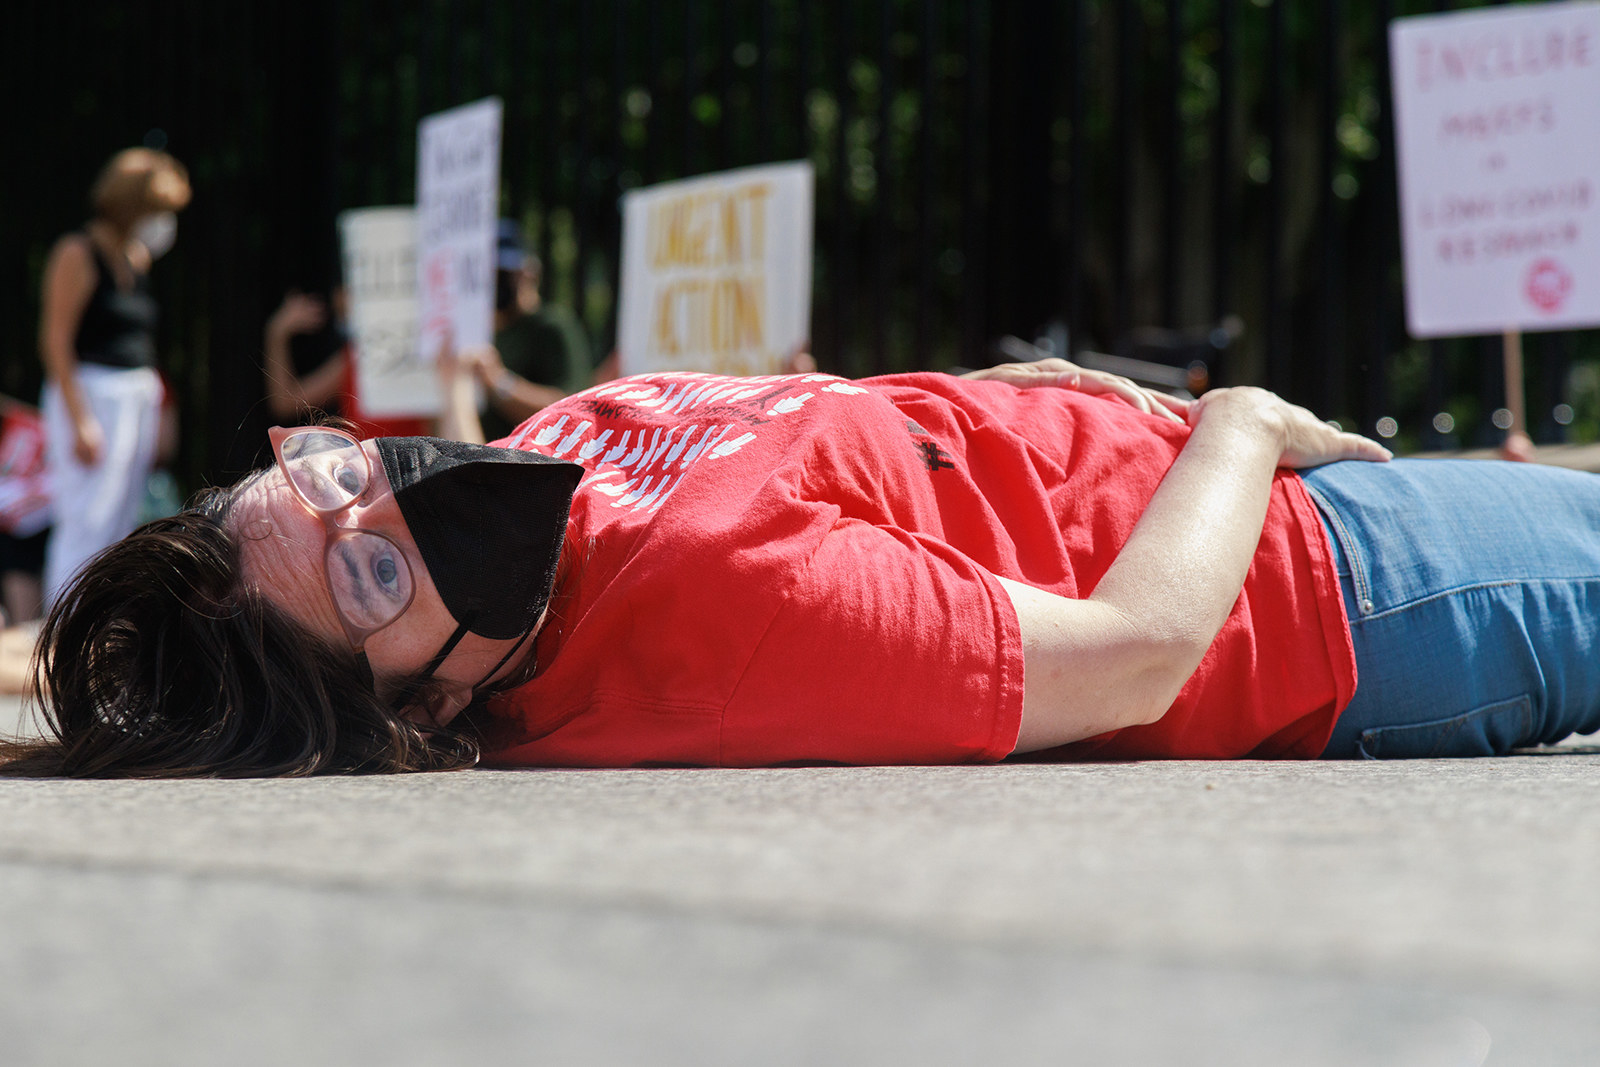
(1473, 593)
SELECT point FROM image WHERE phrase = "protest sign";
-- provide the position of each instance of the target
(380, 272)
(716, 272)
(458, 197)
(1497, 116)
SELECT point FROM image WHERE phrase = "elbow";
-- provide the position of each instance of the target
(1158, 661)
(1170, 663)
(57, 358)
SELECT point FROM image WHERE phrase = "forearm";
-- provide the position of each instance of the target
(61, 369)
(517, 398)
(458, 418)
(1180, 573)
(1120, 657)
(69, 280)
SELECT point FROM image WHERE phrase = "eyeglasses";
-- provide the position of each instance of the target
(367, 576)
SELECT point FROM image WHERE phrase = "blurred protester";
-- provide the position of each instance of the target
(539, 353)
(102, 395)
(24, 510)
(310, 368)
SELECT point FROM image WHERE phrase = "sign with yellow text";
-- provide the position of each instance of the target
(716, 272)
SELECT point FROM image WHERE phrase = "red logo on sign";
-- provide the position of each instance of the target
(1548, 284)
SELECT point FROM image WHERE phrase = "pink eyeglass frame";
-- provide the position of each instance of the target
(333, 532)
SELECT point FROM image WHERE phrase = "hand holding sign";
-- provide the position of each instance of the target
(458, 193)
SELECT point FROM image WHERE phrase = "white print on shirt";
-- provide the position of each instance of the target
(790, 403)
(549, 433)
(587, 452)
(571, 439)
(732, 446)
(635, 460)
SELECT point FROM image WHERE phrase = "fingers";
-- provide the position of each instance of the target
(1098, 383)
(1177, 407)
(1101, 383)
(800, 361)
(1358, 447)
(1313, 443)
(1054, 372)
(1303, 439)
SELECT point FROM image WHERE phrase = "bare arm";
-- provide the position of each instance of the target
(69, 278)
(288, 395)
(1119, 657)
(512, 395)
(458, 414)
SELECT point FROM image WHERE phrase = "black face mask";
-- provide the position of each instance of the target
(488, 522)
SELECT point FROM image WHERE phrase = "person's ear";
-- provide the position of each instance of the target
(437, 704)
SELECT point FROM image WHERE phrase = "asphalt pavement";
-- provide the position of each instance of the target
(1432, 912)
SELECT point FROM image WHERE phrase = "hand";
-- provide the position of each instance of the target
(608, 369)
(800, 361)
(1304, 440)
(88, 441)
(297, 314)
(1517, 447)
(449, 364)
(485, 362)
(1061, 374)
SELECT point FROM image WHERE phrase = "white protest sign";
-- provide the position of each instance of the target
(716, 272)
(458, 198)
(1497, 126)
(380, 271)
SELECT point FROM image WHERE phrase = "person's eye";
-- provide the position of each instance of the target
(387, 573)
(348, 478)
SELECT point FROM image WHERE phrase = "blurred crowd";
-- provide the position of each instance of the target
(86, 465)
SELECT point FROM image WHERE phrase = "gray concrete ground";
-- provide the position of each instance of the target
(1186, 913)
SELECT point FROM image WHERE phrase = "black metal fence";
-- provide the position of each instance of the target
(1077, 170)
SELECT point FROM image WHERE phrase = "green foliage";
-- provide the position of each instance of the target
(288, 112)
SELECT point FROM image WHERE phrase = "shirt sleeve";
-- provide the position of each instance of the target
(893, 648)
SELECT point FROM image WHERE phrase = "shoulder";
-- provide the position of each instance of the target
(519, 328)
(557, 315)
(71, 263)
(71, 251)
(559, 322)
(539, 324)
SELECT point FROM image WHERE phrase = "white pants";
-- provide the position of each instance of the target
(97, 506)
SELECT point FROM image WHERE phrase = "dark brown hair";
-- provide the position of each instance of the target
(159, 662)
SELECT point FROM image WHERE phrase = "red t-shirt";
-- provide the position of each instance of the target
(802, 569)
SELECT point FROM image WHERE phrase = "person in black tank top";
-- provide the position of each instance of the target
(117, 328)
(102, 396)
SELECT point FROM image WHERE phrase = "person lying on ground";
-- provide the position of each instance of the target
(1033, 561)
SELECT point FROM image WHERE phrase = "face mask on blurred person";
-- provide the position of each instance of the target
(157, 232)
(489, 523)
